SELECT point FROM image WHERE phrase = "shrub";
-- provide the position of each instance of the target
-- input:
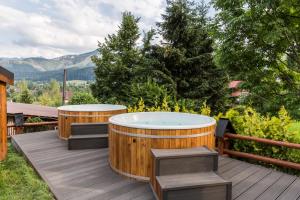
(82, 98)
(168, 105)
(33, 119)
(247, 121)
(151, 92)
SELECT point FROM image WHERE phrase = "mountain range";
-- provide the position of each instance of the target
(79, 67)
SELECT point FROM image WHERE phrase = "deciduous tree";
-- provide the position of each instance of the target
(259, 42)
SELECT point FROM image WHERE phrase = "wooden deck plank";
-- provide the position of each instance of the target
(247, 183)
(257, 189)
(292, 192)
(277, 188)
(85, 174)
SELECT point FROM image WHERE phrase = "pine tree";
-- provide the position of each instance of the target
(26, 97)
(119, 58)
(187, 53)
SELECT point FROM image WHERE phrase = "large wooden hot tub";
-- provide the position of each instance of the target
(132, 135)
(85, 113)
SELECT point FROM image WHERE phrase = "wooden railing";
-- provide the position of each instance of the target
(223, 148)
(31, 126)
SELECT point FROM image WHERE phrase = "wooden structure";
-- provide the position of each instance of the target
(88, 136)
(34, 127)
(194, 175)
(130, 143)
(86, 113)
(6, 77)
(45, 113)
(224, 148)
(85, 174)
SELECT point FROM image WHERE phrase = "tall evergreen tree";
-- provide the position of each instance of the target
(123, 65)
(187, 53)
(119, 58)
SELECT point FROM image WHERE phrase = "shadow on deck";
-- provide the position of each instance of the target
(85, 174)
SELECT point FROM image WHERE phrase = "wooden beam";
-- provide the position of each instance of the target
(262, 140)
(3, 121)
(35, 124)
(274, 161)
(6, 76)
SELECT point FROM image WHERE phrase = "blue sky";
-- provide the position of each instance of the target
(51, 28)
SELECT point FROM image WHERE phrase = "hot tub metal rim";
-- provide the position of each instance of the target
(70, 115)
(139, 135)
(113, 121)
(114, 107)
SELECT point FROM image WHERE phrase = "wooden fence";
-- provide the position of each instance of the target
(31, 127)
(224, 148)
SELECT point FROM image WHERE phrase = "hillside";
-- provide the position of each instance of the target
(79, 67)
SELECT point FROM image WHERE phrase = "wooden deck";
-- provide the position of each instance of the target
(85, 174)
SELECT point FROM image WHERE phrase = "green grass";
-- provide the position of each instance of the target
(18, 181)
(295, 127)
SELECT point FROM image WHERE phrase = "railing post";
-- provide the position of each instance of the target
(19, 130)
(221, 146)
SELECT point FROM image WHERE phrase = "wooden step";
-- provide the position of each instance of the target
(91, 141)
(193, 186)
(89, 128)
(181, 161)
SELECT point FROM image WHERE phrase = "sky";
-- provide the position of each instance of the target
(52, 28)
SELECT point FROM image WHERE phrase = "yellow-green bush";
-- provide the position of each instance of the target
(166, 106)
(247, 121)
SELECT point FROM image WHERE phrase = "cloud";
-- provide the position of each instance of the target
(52, 28)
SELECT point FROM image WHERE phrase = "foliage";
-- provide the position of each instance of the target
(181, 67)
(33, 119)
(247, 121)
(295, 127)
(26, 97)
(167, 105)
(19, 181)
(187, 54)
(119, 58)
(259, 43)
(82, 98)
(51, 95)
(151, 92)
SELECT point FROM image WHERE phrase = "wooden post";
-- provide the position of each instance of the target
(6, 77)
(64, 87)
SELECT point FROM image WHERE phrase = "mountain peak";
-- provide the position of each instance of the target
(28, 68)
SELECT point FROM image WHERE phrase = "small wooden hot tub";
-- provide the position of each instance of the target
(133, 135)
(85, 113)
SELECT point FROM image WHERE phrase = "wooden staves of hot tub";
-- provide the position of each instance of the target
(133, 135)
(85, 113)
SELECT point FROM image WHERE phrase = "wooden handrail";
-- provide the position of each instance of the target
(223, 148)
(282, 163)
(263, 140)
(34, 124)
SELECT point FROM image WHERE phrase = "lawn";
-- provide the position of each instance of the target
(19, 181)
(295, 127)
